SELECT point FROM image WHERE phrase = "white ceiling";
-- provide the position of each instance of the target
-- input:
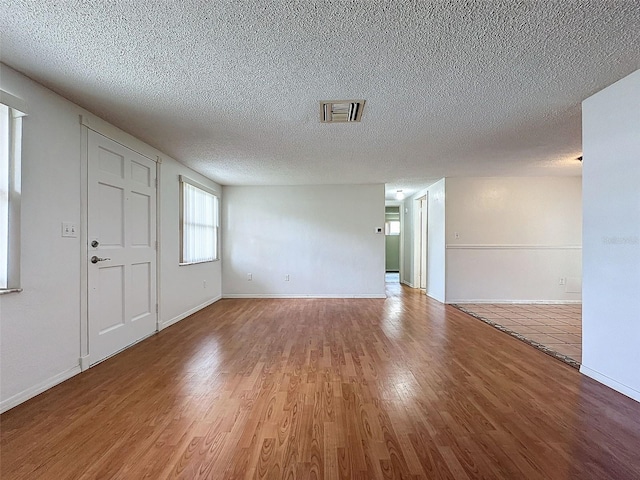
(232, 88)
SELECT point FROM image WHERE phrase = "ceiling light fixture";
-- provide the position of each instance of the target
(341, 111)
(399, 195)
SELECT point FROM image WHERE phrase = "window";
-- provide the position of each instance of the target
(199, 223)
(392, 227)
(11, 113)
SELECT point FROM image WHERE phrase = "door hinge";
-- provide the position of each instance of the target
(156, 245)
(156, 308)
(156, 183)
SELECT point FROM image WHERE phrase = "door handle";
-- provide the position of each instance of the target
(95, 259)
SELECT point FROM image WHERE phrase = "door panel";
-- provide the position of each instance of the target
(110, 215)
(141, 229)
(122, 223)
(111, 299)
(141, 290)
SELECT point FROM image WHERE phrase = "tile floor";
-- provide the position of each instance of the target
(555, 329)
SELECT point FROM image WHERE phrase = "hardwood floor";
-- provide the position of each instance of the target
(311, 388)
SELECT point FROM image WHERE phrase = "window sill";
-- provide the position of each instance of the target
(197, 263)
(4, 291)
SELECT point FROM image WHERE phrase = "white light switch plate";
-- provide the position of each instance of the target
(69, 229)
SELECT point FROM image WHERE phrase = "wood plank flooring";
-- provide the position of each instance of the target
(337, 388)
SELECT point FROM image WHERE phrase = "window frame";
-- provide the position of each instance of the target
(216, 221)
(16, 110)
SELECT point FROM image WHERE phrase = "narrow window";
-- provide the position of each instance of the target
(10, 181)
(199, 223)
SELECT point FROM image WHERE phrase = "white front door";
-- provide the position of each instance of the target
(121, 232)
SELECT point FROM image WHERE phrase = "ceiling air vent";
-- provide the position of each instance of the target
(341, 111)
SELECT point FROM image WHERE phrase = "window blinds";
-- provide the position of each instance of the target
(199, 224)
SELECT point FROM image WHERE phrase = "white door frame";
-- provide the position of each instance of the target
(400, 205)
(420, 241)
(89, 122)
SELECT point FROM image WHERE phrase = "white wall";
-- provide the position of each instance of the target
(40, 327)
(40, 342)
(611, 234)
(188, 288)
(516, 238)
(322, 236)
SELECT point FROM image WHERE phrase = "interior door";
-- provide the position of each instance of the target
(121, 232)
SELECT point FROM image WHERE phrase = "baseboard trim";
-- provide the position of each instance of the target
(31, 392)
(85, 362)
(611, 383)
(284, 295)
(509, 246)
(525, 302)
(410, 285)
(191, 311)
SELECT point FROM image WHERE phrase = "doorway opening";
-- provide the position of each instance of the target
(392, 244)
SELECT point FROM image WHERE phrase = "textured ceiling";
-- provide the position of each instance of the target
(232, 88)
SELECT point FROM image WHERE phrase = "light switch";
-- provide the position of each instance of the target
(69, 229)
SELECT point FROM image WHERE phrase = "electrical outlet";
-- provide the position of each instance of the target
(204, 284)
(69, 229)
(563, 281)
(286, 277)
(249, 277)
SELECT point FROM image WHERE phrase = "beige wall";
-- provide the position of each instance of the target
(322, 236)
(513, 239)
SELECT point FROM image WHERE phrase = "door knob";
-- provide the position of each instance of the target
(95, 259)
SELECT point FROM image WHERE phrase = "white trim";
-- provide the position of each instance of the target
(84, 241)
(185, 179)
(410, 285)
(85, 362)
(158, 244)
(522, 302)
(301, 295)
(432, 297)
(611, 383)
(479, 246)
(13, 102)
(4, 291)
(120, 136)
(37, 389)
(191, 311)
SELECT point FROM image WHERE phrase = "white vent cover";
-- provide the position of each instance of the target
(341, 111)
